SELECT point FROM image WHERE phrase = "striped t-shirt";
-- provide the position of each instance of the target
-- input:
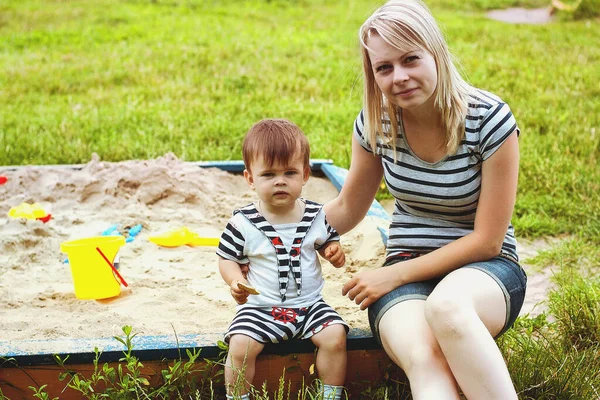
(436, 202)
(243, 242)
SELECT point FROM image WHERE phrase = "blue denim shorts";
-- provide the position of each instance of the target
(505, 271)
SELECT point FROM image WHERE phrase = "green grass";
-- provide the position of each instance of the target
(556, 355)
(136, 79)
(559, 358)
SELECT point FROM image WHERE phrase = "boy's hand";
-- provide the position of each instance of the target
(334, 254)
(239, 295)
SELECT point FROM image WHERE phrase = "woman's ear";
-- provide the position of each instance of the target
(249, 178)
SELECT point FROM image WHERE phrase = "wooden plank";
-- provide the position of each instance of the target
(152, 347)
(366, 368)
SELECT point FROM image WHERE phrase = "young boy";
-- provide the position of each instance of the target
(279, 237)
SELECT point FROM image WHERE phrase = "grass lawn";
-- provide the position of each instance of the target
(135, 79)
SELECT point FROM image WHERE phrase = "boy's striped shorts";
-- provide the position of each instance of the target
(277, 324)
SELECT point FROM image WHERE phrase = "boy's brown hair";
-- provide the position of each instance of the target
(276, 141)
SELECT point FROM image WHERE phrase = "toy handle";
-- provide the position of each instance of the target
(113, 267)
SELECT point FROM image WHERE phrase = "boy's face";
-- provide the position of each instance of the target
(278, 185)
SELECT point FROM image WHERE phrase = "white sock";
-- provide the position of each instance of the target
(332, 392)
(241, 397)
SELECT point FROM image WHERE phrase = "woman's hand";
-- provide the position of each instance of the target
(368, 286)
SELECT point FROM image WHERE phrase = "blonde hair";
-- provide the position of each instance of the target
(276, 141)
(409, 23)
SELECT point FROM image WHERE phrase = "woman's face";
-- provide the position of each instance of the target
(407, 77)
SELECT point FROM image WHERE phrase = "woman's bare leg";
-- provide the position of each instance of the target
(409, 342)
(466, 309)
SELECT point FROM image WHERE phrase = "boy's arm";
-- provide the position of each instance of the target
(333, 252)
(231, 272)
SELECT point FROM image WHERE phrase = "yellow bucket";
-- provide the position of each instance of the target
(93, 277)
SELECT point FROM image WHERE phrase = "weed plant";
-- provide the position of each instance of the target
(183, 379)
(556, 355)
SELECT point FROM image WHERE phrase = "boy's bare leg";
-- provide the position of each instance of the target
(242, 354)
(331, 355)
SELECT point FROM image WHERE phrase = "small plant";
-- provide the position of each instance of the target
(38, 393)
(390, 387)
(127, 381)
(575, 304)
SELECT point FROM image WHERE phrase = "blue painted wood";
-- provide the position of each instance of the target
(238, 165)
(157, 347)
(231, 165)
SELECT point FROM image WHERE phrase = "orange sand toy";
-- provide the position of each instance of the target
(181, 237)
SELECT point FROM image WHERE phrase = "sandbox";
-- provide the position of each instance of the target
(176, 298)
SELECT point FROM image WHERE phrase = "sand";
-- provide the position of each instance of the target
(170, 289)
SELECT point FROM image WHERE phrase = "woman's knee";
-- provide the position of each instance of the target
(425, 357)
(449, 314)
(413, 347)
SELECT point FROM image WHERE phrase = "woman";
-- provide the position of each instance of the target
(449, 155)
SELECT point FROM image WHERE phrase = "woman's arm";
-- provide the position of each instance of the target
(494, 210)
(351, 205)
